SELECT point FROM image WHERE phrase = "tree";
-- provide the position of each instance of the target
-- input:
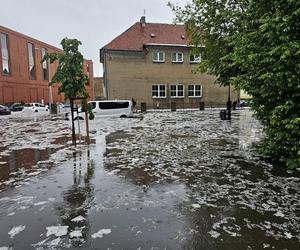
(69, 74)
(255, 45)
(210, 23)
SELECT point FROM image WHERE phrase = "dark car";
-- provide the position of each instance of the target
(16, 107)
(4, 110)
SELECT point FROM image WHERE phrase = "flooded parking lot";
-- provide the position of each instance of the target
(180, 180)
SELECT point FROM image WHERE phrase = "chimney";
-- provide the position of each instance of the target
(143, 21)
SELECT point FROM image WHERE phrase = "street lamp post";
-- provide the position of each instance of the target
(50, 88)
(50, 97)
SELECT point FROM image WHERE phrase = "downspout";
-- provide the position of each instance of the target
(105, 74)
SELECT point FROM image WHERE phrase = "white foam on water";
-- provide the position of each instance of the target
(16, 230)
(101, 233)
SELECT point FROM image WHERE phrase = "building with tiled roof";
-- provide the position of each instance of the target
(152, 63)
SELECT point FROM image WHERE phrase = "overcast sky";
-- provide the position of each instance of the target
(93, 22)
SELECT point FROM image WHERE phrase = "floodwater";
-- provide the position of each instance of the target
(180, 180)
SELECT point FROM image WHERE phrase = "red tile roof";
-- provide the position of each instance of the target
(152, 33)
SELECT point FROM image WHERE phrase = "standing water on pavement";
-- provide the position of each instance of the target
(180, 180)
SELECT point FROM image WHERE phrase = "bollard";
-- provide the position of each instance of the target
(223, 114)
(143, 107)
(201, 105)
(173, 106)
(53, 109)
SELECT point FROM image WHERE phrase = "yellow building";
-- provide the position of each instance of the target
(152, 63)
(98, 88)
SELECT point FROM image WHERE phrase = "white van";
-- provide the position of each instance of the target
(112, 108)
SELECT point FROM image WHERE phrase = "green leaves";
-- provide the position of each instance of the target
(69, 74)
(255, 45)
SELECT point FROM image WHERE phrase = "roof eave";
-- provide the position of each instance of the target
(174, 45)
(104, 50)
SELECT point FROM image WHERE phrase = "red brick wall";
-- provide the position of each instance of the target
(17, 86)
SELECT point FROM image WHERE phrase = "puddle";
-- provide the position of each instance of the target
(170, 181)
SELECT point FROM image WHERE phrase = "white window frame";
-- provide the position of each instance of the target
(159, 91)
(157, 53)
(194, 91)
(5, 55)
(177, 57)
(176, 91)
(197, 58)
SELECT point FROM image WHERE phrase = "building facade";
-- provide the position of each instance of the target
(98, 88)
(23, 78)
(153, 63)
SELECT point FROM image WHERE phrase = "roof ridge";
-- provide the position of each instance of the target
(120, 34)
(137, 35)
(171, 24)
(28, 37)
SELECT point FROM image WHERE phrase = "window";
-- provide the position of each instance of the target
(158, 91)
(177, 91)
(5, 54)
(92, 104)
(45, 66)
(177, 57)
(195, 58)
(158, 56)
(31, 61)
(113, 105)
(195, 91)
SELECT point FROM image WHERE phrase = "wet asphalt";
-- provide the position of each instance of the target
(172, 180)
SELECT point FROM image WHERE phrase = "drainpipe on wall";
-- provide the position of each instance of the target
(105, 75)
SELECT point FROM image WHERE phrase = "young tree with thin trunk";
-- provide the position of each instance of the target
(69, 74)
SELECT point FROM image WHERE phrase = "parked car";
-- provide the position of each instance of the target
(4, 110)
(35, 107)
(245, 103)
(113, 108)
(62, 107)
(16, 107)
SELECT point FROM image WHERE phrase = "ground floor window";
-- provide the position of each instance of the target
(158, 91)
(194, 90)
(177, 91)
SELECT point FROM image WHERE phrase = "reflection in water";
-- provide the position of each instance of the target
(232, 196)
(170, 181)
(23, 158)
(249, 134)
(28, 158)
(78, 199)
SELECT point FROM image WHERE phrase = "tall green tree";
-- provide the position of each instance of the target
(210, 23)
(255, 45)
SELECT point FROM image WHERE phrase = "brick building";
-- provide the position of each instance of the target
(153, 63)
(23, 78)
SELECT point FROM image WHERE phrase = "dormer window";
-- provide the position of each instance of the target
(152, 35)
(195, 58)
(182, 37)
(158, 56)
(177, 57)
